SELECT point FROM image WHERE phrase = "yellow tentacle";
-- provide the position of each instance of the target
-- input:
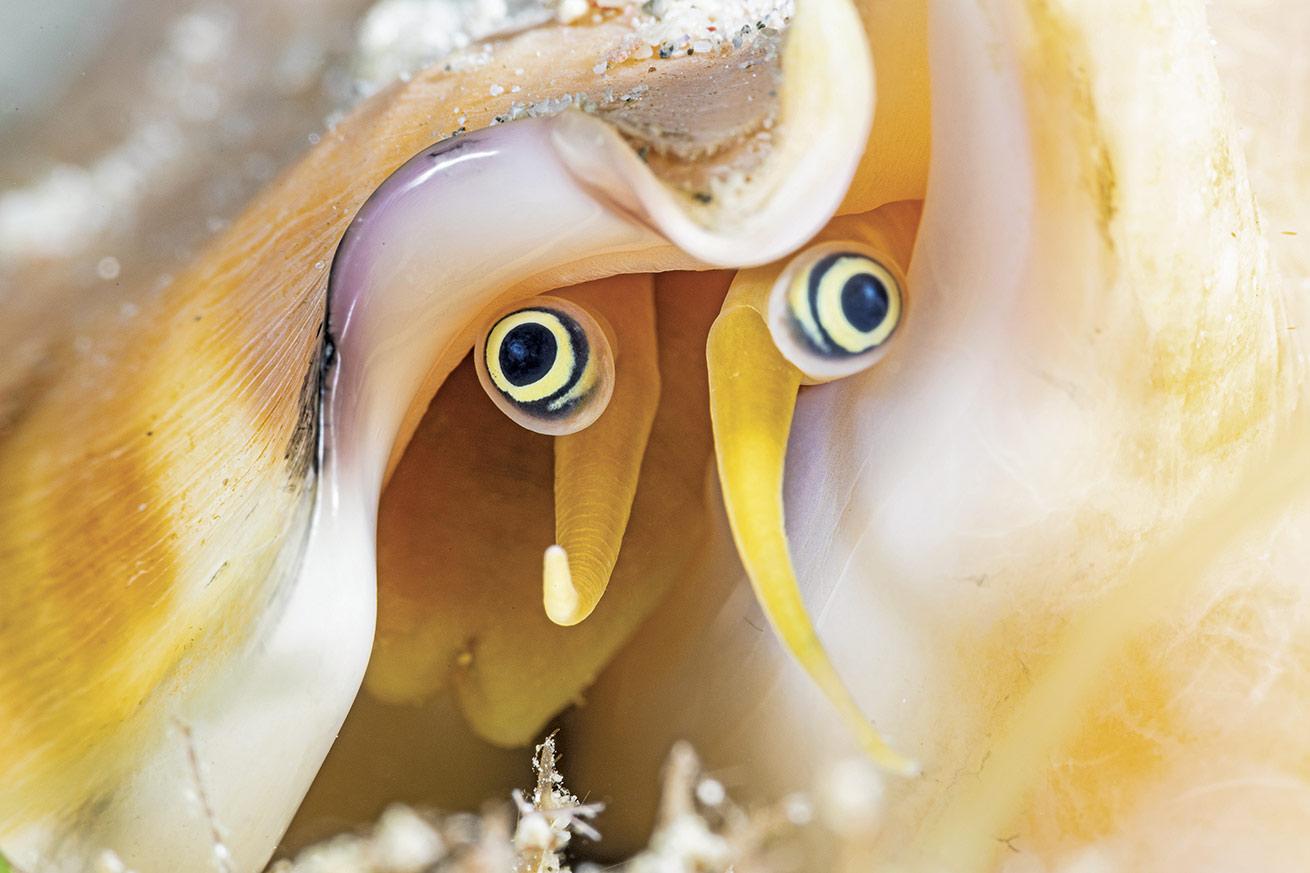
(752, 398)
(596, 469)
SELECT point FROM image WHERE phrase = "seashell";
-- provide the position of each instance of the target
(985, 414)
(193, 545)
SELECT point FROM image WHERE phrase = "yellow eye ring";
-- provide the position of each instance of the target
(547, 365)
(834, 307)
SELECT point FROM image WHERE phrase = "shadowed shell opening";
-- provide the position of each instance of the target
(465, 650)
(735, 159)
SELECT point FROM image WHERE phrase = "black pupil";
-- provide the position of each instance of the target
(527, 353)
(864, 301)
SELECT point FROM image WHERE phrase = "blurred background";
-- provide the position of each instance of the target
(131, 131)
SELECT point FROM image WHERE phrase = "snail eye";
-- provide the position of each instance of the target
(548, 366)
(834, 308)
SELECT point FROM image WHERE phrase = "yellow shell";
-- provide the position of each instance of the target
(1041, 551)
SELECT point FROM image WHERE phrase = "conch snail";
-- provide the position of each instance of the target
(532, 418)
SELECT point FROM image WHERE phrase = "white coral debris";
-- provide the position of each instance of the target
(852, 797)
(549, 819)
(404, 842)
(699, 830)
(109, 862)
